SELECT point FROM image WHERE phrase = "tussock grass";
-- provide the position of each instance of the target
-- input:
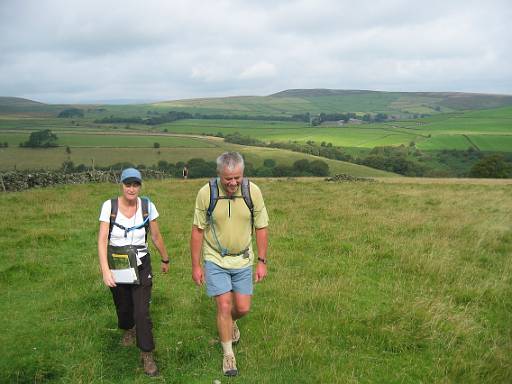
(369, 282)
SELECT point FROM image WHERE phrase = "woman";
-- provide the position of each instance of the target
(124, 223)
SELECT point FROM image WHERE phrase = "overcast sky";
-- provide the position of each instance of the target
(68, 51)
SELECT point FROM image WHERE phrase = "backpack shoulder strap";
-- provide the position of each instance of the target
(145, 213)
(246, 194)
(114, 206)
(145, 209)
(214, 196)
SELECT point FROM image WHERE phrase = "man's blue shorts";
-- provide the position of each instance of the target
(221, 280)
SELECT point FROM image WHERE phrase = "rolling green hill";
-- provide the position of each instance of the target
(293, 101)
(173, 150)
(17, 105)
(430, 123)
(328, 101)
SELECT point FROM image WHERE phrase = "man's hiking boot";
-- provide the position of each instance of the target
(149, 364)
(236, 333)
(229, 365)
(129, 337)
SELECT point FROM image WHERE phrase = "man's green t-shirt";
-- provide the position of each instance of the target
(232, 222)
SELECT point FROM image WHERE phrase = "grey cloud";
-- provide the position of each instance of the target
(177, 49)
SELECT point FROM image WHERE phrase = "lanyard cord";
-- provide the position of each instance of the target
(224, 251)
(126, 230)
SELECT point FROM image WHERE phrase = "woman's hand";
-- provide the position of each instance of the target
(108, 279)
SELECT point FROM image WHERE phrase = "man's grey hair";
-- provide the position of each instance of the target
(229, 160)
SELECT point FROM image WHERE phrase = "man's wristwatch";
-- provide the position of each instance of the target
(264, 261)
(165, 261)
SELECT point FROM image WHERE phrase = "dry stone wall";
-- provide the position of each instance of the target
(19, 181)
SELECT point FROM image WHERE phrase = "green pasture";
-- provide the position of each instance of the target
(483, 142)
(501, 113)
(458, 142)
(348, 136)
(493, 143)
(29, 124)
(251, 128)
(33, 124)
(496, 122)
(446, 131)
(486, 130)
(487, 120)
(52, 158)
(468, 124)
(368, 283)
(121, 140)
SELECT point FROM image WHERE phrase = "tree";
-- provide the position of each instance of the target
(200, 168)
(41, 139)
(379, 117)
(265, 172)
(319, 168)
(71, 112)
(269, 163)
(494, 166)
(283, 170)
(301, 165)
(68, 166)
(156, 145)
(163, 165)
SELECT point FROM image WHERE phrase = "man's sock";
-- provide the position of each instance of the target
(227, 347)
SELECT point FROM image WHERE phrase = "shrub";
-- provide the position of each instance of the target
(71, 112)
(319, 168)
(41, 139)
(494, 166)
(269, 163)
(301, 166)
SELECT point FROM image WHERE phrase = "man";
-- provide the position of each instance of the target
(224, 238)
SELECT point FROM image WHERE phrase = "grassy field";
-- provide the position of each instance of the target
(493, 132)
(24, 158)
(395, 282)
(100, 140)
(448, 128)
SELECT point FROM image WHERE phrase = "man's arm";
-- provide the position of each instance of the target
(196, 242)
(262, 244)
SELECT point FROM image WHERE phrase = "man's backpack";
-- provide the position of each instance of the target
(113, 214)
(214, 197)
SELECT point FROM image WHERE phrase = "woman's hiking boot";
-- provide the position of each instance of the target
(149, 364)
(129, 337)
